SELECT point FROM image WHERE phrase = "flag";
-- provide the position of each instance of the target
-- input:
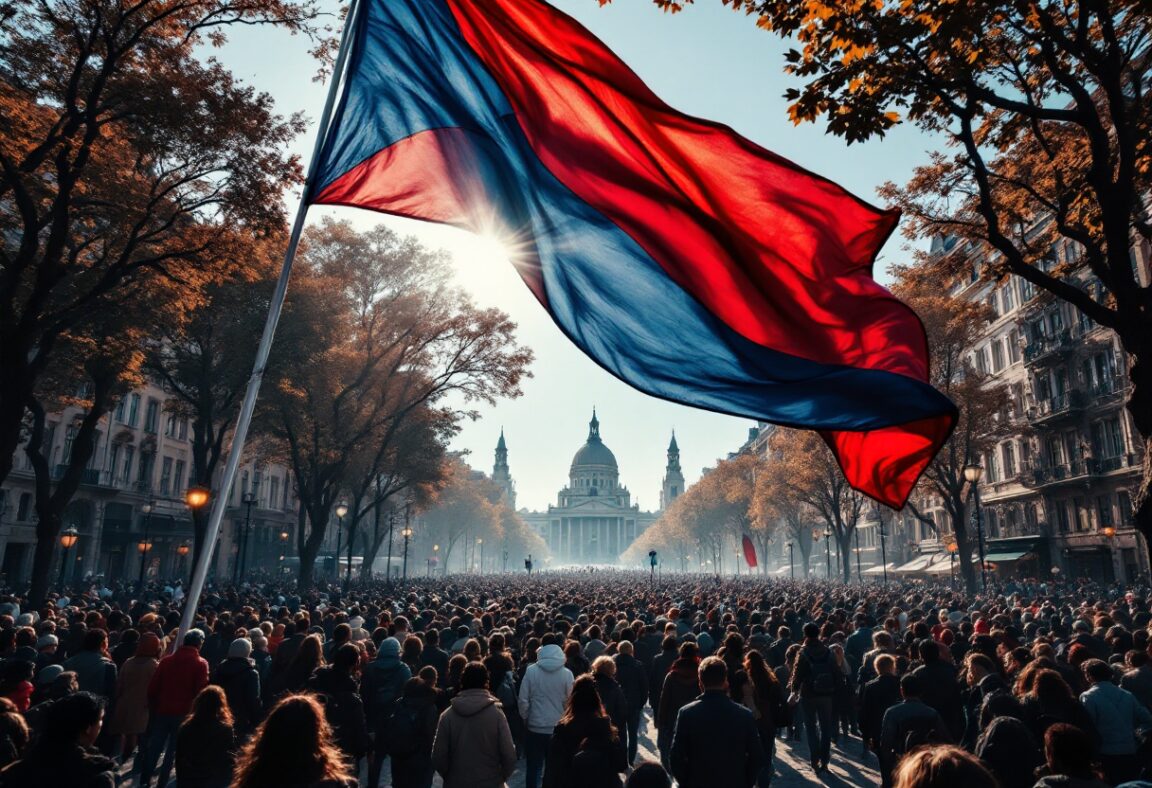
(684, 259)
(749, 551)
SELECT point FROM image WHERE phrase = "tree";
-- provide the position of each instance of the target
(953, 325)
(1048, 117)
(460, 513)
(125, 156)
(778, 510)
(392, 339)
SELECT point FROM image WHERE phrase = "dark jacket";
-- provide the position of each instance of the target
(473, 746)
(437, 658)
(613, 700)
(240, 680)
(414, 770)
(909, 716)
(1139, 683)
(380, 688)
(661, 664)
(584, 754)
(633, 681)
(942, 692)
(343, 708)
(1041, 716)
(716, 743)
(681, 687)
(73, 766)
(880, 694)
(95, 673)
(1009, 750)
(974, 700)
(205, 753)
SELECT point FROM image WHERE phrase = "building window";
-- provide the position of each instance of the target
(120, 409)
(69, 439)
(997, 355)
(152, 416)
(178, 481)
(1061, 516)
(980, 361)
(126, 473)
(1008, 454)
(113, 462)
(183, 429)
(170, 427)
(165, 475)
(1008, 293)
(1083, 517)
(23, 507)
(1013, 346)
(133, 409)
(144, 474)
(1104, 510)
(273, 492)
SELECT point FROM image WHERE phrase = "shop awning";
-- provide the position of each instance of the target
(943, 566)
(879, 570)
(915, 565)
(999, 558)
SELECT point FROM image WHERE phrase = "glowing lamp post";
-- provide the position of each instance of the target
(341, 511)
(972, 473)
(407, 534)
(68, 540)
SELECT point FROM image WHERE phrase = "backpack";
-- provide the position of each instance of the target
(401, 733)
(825, 677)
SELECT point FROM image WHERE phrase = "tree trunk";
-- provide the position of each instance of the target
(1140, 408)
(845, 541)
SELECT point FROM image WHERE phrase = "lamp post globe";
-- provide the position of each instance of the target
(68, 538)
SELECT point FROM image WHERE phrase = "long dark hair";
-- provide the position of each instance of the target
(210, 705)
(584, 705)
(292, 746)
(762, 677)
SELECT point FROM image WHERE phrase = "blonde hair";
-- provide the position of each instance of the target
(942, 766)
(604, 665)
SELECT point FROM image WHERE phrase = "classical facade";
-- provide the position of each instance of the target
(133, 493)
(594, 519)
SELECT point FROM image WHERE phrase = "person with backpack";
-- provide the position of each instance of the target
(815, 682)
(409, 735)
(380, 689)
(586, 750)
(543, 693)
(908, 725)
(473, 745)
(335, 688)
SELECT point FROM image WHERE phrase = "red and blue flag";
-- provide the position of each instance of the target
(684, 259)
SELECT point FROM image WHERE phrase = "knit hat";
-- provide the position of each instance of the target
(44, 641)
(356, 622)
(48, 674)
(241, 647)
(390, 647)
(26, 620)
(259, 642)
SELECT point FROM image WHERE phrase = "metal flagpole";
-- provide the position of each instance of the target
(200, 573)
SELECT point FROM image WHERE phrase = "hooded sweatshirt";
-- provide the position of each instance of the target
(544, 690)
(473, 745)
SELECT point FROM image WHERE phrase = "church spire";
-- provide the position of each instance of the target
(501, 473)
(673, 478)
(594, 427)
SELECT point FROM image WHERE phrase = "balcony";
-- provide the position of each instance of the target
(1065, 473)
(89, 476)
(1060, 406)
(1109, 390)
(1051, 348)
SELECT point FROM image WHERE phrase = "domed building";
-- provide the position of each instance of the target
(594, 519)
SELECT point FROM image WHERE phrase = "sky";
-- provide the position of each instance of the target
(707, 61)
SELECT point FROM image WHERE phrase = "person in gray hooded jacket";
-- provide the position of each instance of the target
(473, 745)
(543, 694)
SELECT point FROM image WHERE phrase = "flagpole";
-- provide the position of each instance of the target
(276, 306)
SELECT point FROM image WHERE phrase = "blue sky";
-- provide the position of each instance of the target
(707, 61)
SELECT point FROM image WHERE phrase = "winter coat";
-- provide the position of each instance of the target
(205, 754)
(240, 680)
(95, 673)
(473, 746)
(716, 743)
(597, 764)
(344, 710)
(942, 692)
(544, 690)
(380, 688)
(414, 770)
(880, 694)
(1117, 715)
(178, 679)
(661, 664)
(130, 714)
(681, 687)
(633, 681)
(437, 658)
(1039, 717)
(613, 701)
(1139, 683)
(72, 766)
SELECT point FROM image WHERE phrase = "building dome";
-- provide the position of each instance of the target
(594, 452)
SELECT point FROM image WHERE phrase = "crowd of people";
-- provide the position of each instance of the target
(474, 678)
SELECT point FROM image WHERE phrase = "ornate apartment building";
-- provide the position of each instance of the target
(132, 494)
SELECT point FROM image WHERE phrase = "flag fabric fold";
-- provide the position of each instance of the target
(749, 551)
(684, 259)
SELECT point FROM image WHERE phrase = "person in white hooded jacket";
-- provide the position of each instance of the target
(543, 693)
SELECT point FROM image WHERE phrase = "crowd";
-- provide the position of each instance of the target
(475, 677)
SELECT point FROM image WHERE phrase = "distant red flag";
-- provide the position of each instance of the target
(749, 552)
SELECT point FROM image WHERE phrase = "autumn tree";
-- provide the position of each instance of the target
(399, 340)
(124, 156)
(1046, 111)
(460, 513)
(779, 512)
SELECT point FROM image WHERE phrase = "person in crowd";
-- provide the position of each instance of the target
(410, 735)
(681, 687)
(14, 733)
(473, 745)
(95, 671)
(542, 700)
(260, 657)
(432, 654)
(716, 741)
(1010, 751)
(1137, 677)
(632, 677)
(764, 697)
(175, 684)
(1049, 701)
(611, 696)
(238, 677)
(309, 656)
(658, 669)
(908, 725)
(293, 746)
(880, 694)
(943, 767)
(206, 742)
(130, 709)
(845, 722)
(1069, 759)
(940, 687)
(648, 774)
(16, 682)
(335, 686)
(1117, 718)
(380, 688)
(64, 753)
(585, 750)
(815, 680)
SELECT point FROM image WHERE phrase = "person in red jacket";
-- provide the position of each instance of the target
(178, 679)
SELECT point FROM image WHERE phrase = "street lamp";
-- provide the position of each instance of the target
(883, 549)
(952, 548)
(283, 545)
(828, 552)
(249, 500)
(973, 472)
(1110, 533)
(341, 510)
(143, 546)
(147, 509)
(67, 540)
(792, 560)
(407, 534)
(196, 497)
(182, 550)
(859, 573)
(480, 542)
